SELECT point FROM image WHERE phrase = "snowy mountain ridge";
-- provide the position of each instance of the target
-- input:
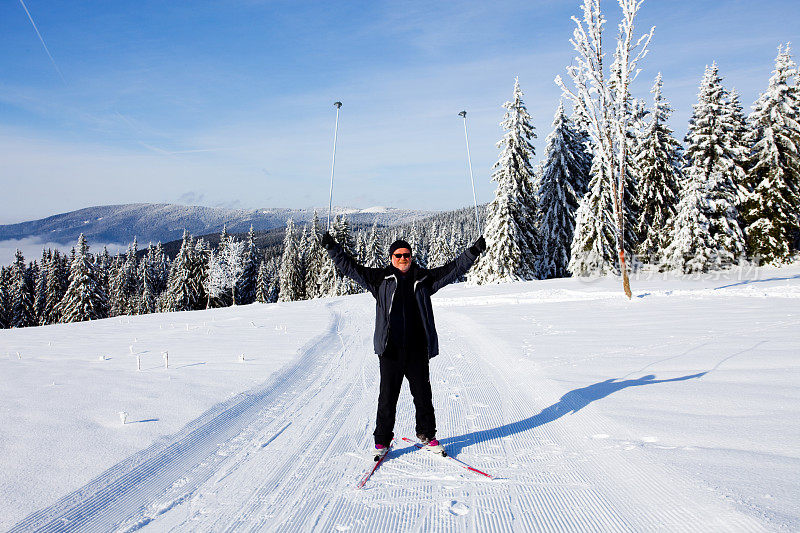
(119, 224)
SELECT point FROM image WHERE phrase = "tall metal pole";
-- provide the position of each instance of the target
(333, 162)
(463, 115)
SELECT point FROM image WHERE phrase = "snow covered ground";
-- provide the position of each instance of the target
(678, 410)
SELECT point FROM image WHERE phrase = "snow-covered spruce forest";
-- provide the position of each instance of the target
(728, 195)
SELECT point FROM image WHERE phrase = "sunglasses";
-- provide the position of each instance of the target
(404, 256)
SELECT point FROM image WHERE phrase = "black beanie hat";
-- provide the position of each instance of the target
(396, 245)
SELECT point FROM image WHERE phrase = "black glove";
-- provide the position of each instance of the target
(479, 246)
(327, 241)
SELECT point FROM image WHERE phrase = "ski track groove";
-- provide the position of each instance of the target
(239, 472)
(121, 497)
(323, 426)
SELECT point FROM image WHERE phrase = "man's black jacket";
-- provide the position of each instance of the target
(382, 282)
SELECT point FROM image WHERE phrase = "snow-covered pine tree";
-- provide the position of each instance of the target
(132, 283)
(262, 283)
(329, 279)
(84, 299)
(198, 272)
(291, 279)
(223, 236)
(178, 294)
(5, 298)
(712, 161)
(246, 287)
(376, 255)
(118, 302)
(418, 246)
(22, 297)
(223, 298)
(562, 184)
(593, 249)
(691, 248)
(772, 206)
(736, 131)
(40, 292)
(57, 282)
(510, 230)
(659, 162)
(302, 255)
(638, 116)
(342, 233)
(124, 283)
(273, 266)
(161, 265)
(315, 261)
(361, 248)
(439, 250)
(458, 239)
(103, 263)
(148, 301)
(148, 277)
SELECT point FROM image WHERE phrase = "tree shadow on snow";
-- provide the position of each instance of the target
(751, 281)
(570, 403)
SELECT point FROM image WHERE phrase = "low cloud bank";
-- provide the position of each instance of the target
(32, 247)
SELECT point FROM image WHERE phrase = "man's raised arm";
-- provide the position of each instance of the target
(451, 271)
(347, 266)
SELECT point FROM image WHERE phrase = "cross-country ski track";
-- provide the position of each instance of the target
(286, 455)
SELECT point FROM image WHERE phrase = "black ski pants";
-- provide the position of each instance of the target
(394, 368)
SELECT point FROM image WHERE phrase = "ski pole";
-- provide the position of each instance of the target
(333, 162)
(463, 114)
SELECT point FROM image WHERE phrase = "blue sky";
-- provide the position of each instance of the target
(230, 102)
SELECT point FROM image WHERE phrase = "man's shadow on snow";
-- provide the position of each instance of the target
(570, 403)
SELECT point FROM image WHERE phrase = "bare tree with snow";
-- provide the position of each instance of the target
(603, 99)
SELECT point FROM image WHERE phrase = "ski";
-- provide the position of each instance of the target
(374, 467)
(461, 463)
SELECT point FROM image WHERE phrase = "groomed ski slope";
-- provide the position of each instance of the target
(677, 411)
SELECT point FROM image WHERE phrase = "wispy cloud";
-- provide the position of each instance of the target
(178, 152)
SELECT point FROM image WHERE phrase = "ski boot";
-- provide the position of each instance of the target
(379, 452)
(432, 445)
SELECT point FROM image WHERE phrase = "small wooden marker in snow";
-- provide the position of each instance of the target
(138, 362)
(166, 358)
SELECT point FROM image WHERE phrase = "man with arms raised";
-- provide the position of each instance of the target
(405, 334)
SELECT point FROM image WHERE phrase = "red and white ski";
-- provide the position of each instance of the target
(461, 463)
(372, 470)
